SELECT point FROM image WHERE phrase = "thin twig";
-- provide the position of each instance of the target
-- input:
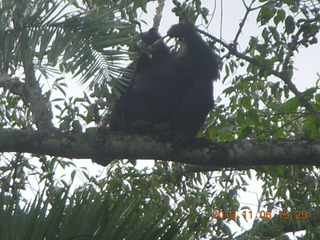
(282, 75)
(241, 25)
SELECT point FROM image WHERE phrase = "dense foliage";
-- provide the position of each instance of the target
(70, 55)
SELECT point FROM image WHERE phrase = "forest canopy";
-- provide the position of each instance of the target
(62, 68)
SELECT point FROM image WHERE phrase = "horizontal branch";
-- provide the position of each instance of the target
(95, 144)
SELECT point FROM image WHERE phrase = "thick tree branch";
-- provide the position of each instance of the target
(12, 84)
(97, 145)
(157, 17)
(30, 93)
(34, 97)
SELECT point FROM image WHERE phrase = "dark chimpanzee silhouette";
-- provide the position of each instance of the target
(170, 94)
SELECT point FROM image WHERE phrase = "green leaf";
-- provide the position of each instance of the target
(290, 105)
(274, 171)
(311, 128)
(246, 102)
(289, 25)
(309, 93)
(266, 14)
(281, 14)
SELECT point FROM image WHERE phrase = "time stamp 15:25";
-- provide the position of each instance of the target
(247, 214)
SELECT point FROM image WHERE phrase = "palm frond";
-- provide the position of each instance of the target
(84, 215)
(89, 43)
(92, 44)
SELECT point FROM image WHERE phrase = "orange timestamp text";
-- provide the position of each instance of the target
(246, 214)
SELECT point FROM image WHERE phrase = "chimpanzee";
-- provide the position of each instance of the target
(170, 94)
